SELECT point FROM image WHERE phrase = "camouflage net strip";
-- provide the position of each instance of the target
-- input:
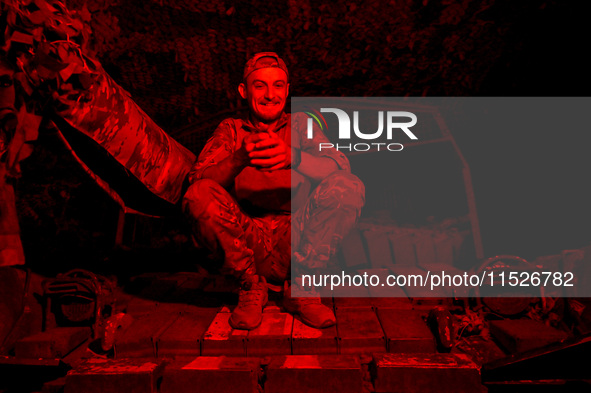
(57, 76)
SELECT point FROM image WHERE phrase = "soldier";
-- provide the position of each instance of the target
(260, 186)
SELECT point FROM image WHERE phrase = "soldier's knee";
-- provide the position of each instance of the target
(200, 194)
(201, 189)
(343, 189)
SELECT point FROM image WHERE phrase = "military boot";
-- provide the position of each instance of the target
(310, 309)
(248, 314)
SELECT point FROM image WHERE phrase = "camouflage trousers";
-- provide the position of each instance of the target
(263, 245)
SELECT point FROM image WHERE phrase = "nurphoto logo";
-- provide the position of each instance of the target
(395, 120)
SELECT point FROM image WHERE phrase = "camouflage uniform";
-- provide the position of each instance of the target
(249, 225)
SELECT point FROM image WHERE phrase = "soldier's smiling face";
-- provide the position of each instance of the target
(266, 91)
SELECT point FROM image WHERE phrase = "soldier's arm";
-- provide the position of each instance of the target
(316, 167)
(218, 160)
(317, 163)
(221, 160)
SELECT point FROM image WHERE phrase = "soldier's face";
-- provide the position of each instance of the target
(266, 91)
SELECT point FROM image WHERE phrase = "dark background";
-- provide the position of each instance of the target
(182, 60)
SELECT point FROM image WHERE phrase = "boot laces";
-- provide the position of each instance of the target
(251, 296)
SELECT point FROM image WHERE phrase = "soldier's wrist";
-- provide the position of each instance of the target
(296, 158)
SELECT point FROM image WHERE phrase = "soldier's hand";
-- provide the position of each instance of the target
(242, 155)
(271, 153)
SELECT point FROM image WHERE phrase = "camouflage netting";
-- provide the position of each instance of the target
(182, 59)
(58, 79)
